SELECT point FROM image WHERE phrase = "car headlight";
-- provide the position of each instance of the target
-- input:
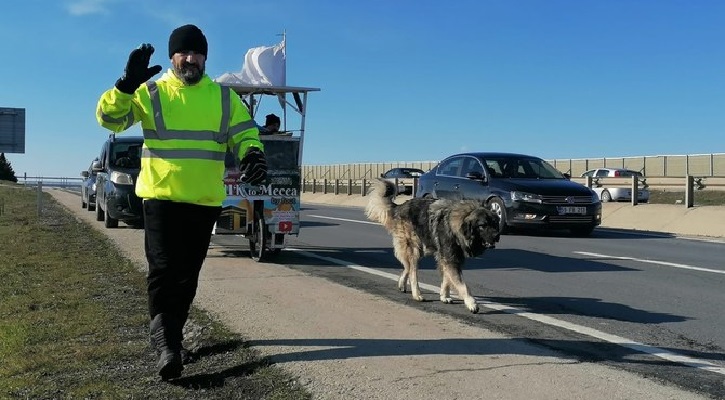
(93, 187)
(526, 197)
(121, 178)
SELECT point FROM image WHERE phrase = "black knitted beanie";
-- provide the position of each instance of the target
(187, 38)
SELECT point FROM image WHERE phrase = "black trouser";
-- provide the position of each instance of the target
(177, 238)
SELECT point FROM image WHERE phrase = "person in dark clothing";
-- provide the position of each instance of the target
(271, 125)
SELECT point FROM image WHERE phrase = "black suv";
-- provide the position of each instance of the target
(120, 164)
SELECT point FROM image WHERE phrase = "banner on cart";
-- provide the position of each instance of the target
(280, 197)
(282, 186)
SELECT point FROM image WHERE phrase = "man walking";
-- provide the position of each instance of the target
(189, 123)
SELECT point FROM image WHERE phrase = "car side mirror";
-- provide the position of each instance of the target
(96, 167)
(567, 175)
(84, 174)
(382, 175)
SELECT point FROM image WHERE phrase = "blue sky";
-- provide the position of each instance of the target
(403, 80)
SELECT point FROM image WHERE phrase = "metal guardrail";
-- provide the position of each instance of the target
(49, 181)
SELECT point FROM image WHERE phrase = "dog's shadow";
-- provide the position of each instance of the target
(342, 349)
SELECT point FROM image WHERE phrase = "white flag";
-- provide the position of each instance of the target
(265, 66)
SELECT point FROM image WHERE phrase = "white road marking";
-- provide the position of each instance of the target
(656, 262)
(704, 239)
(545, 319)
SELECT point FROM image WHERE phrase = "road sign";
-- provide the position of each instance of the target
(12, 130)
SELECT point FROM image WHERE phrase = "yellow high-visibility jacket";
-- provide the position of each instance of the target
(187, 131)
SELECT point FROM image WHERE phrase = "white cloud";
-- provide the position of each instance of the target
(87, 7)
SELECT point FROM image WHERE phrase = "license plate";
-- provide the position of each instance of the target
(572, 210)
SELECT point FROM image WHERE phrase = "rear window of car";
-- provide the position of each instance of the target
(629, 173)
(403, 173)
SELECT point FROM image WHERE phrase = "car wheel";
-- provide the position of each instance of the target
(606, 196)
(108, 221)
(496, 205)
(83, 201)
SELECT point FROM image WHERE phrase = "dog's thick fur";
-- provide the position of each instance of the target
(450, 230)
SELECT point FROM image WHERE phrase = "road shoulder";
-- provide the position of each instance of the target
(343, 343)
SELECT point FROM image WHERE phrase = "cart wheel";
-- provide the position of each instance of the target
(258, 240)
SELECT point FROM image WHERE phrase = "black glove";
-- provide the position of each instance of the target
(137, 69)
(253, 167)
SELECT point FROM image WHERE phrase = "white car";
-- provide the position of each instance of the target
(611, 193)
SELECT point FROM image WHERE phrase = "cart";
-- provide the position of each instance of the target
(267, 214)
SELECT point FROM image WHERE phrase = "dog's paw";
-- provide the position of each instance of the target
(446, 300)
(402, 283)
(418, 297)
(472, 306)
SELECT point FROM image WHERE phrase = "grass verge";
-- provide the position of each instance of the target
(74, 324)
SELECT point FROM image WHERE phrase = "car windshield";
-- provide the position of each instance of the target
(523, 168)
(126, 154)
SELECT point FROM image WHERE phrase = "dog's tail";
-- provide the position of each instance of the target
(380, 206)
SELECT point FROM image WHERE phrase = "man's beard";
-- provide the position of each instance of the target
(190, 74)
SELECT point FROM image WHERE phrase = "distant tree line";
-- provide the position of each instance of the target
(6, 170)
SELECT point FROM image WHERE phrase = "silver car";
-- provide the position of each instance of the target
(404, 178)
(613, 193)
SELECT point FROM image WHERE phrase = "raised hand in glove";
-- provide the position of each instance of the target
(253, 167)
(137, 69)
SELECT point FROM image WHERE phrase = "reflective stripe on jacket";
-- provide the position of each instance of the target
(187, 131)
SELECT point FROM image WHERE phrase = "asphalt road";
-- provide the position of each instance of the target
(646, 303)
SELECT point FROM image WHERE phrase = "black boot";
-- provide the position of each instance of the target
(166, 335)
(187, 356)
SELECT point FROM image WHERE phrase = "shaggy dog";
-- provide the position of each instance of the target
(450, 230)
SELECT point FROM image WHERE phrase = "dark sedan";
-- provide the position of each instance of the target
(88, 186)
(525, 191)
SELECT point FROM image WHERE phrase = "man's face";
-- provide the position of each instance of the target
(189, 66)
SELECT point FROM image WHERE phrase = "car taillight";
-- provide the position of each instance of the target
(616, 173)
